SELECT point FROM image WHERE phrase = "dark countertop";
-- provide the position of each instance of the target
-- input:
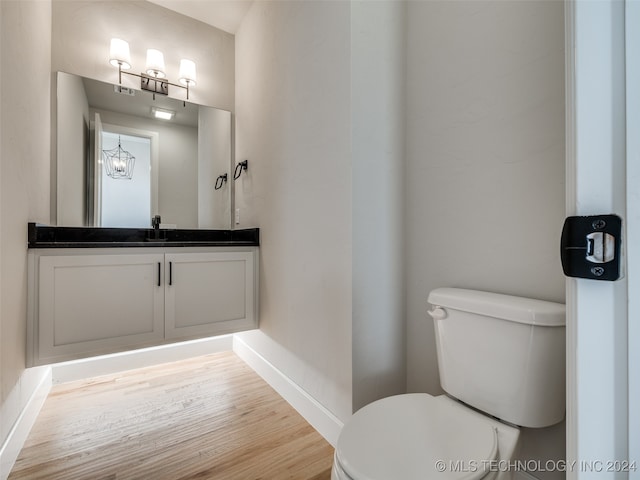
(46, 236)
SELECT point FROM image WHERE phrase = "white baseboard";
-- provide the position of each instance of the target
(10, 449)
(144, 357)
(327, 424)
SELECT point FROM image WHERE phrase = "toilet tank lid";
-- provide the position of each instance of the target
(506, 307)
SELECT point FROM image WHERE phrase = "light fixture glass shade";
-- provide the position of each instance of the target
(119, 54)
(155, 63)
(187, 72)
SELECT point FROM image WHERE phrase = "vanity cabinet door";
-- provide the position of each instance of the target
(96, 304)
(209, 293)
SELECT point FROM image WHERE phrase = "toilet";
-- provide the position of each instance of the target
(502, 365)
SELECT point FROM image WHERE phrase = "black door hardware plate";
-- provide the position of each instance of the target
(590, 247)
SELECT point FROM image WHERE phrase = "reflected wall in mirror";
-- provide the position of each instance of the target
(176, 181)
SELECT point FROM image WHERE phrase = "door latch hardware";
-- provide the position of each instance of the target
(591, 247)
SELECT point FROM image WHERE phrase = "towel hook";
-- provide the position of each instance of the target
(239, 168)
(221, 180)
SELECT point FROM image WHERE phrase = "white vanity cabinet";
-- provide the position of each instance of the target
(86, 302)
(208, 293)
(91, 304)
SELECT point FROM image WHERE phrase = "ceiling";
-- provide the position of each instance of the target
(223, 14)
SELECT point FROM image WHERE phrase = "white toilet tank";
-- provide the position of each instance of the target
(501, 354)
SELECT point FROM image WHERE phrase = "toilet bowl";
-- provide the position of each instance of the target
(501, 362)
(419, 436)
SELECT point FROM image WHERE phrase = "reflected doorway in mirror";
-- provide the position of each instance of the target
(112, 201)
(126, 204)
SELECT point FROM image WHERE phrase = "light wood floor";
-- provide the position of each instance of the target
(210, 417)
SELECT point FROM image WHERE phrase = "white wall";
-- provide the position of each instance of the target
(72, 143)
(178, 177)
(293, 125)
(377, 128)
(24, 172)
(485, 164)
(321, 124)
(214, 159)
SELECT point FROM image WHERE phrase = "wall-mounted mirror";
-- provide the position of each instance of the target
(176, 162)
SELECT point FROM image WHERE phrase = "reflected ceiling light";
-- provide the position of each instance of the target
(162, 113)
(153, 80)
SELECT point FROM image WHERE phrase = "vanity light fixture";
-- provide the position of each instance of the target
(119, 55)
(118, 162)
(154, 78)
(155, 63)
(187, 72)
(162, 113)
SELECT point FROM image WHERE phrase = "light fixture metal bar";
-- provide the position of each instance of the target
(152, 84)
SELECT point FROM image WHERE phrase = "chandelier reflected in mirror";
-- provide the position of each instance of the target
(118, 163)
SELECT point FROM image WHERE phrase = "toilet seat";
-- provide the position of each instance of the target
(406, 435)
